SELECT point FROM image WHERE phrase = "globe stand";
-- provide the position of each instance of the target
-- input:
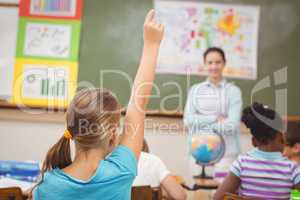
(203, 174)
(202, 181)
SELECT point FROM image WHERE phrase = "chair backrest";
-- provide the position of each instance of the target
(11, 193)
(145, 193)
(157, 193)
(141, 192)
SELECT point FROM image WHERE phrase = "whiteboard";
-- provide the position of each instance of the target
(8, 38)
(10, 1)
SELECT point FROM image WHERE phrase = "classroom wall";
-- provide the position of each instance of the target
(120, 22)
(25, 140)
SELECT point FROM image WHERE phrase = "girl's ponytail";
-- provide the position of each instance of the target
(59, 156)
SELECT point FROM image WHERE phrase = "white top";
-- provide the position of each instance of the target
(151, 170)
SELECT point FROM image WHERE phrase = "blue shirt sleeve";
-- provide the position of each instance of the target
(124, 158)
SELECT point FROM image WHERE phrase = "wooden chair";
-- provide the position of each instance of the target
(146, 193)
(11, 193)
(157, 193)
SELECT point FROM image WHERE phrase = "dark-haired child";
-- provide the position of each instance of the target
(292, 148)
(262, 173)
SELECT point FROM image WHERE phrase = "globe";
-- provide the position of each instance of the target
(207, 148)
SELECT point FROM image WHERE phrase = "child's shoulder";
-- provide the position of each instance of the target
(54, 175)
(150, 160)
(246, 156)
(257, 157)
(149, 156)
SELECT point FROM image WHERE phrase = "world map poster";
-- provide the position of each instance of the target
(192, 27)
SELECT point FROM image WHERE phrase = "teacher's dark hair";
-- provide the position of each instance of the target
(214, 49)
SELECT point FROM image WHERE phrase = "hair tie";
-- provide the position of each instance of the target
(67, 134)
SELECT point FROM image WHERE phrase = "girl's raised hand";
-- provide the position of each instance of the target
(153, 30)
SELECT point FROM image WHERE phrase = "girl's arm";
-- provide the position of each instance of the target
(174, 190)
(229, 185)
(142, 86)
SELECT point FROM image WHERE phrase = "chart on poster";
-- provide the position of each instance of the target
(45, 82)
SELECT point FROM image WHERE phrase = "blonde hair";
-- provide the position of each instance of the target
(92, 119)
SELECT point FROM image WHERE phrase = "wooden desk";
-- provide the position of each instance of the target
(203, 184)
(199, 195)
(206, 184)
(203, 189)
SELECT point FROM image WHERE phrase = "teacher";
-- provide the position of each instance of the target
(215, 106)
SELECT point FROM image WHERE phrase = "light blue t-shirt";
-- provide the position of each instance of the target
(111, 181)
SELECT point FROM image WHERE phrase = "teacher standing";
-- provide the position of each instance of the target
(215, 106)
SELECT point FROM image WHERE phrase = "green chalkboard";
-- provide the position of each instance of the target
(111, 44)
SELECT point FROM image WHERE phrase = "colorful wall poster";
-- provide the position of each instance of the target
(192, 27)
(48, 39)
(44, 83)
(62, 9)
(45, 73)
